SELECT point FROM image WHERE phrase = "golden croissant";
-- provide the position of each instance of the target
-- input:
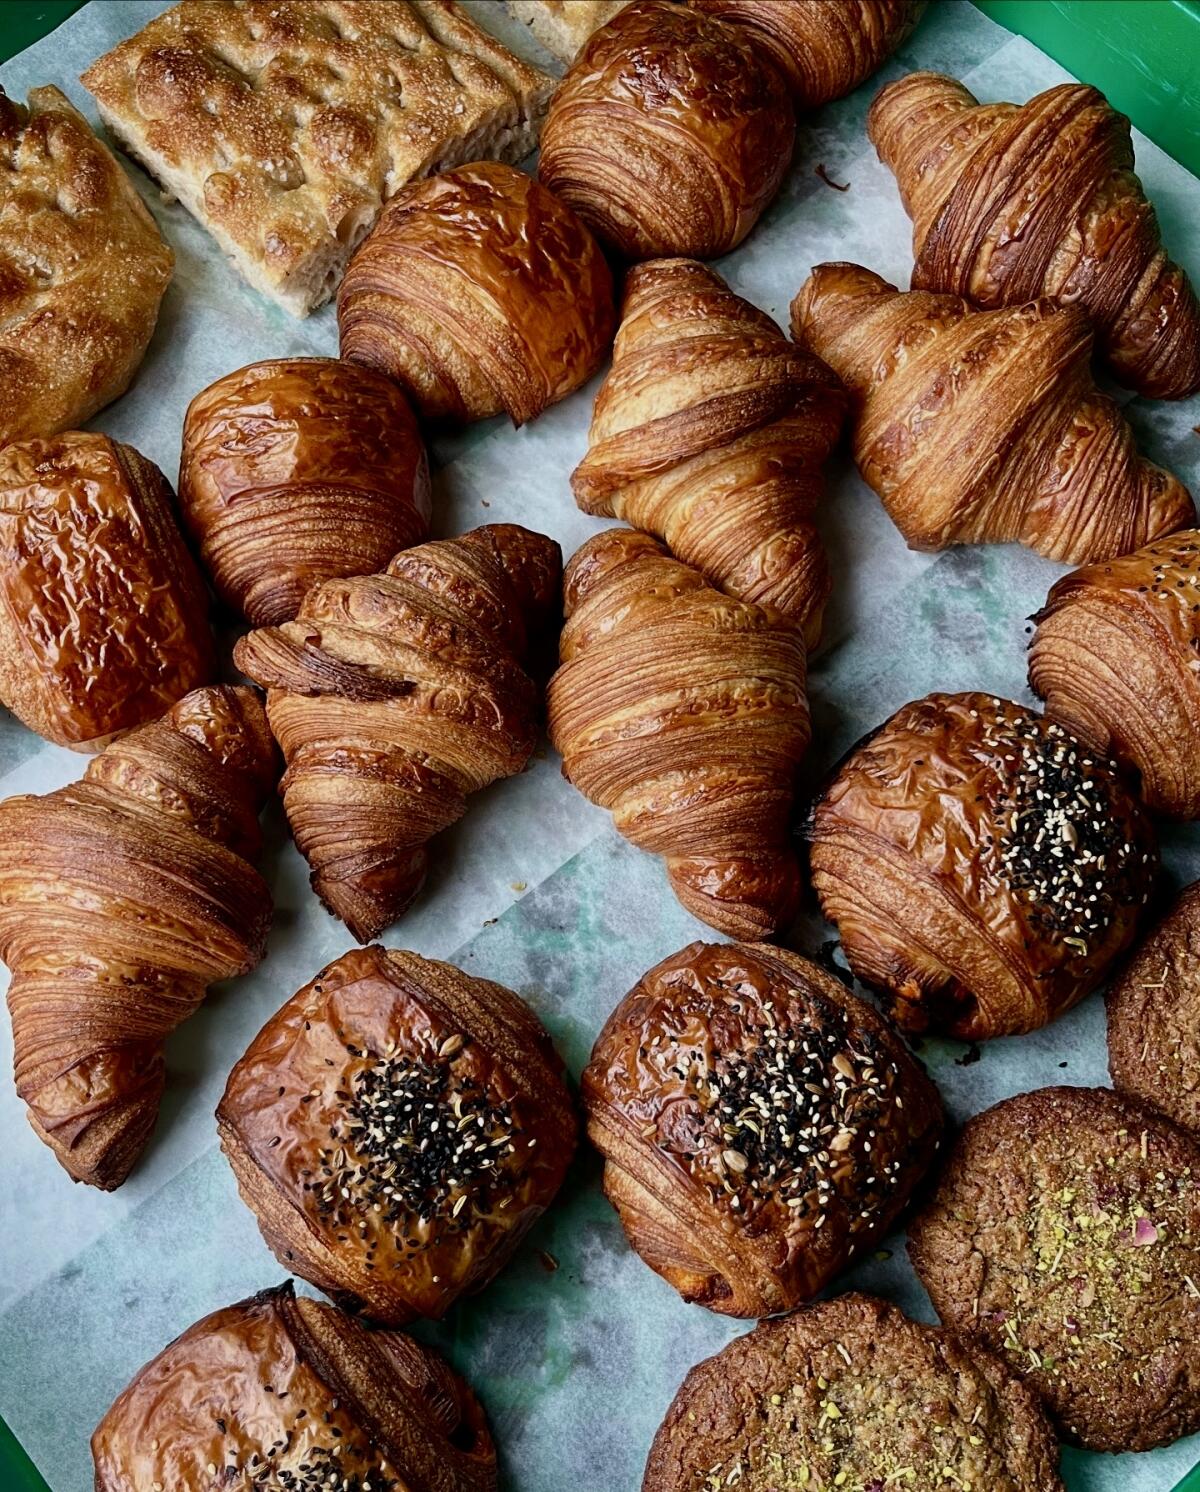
(985, 426)
(1009, 203)
(684, 712)
(709, 433)
(122, 898)
(396, 695)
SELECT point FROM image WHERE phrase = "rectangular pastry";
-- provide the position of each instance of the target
(284, 125)
(562, 26)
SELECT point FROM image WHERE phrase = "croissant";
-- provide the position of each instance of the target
(824, 49)
(684, 712)
(481, 293)
(670, 133)
(1116, 657)
(1009, 203)
(396, 695)
(983, 869)
(122, 897)
(103, 613)
(284, 1393)
(298, 470)
(985, 426)
(709, 433)
(760, 1125)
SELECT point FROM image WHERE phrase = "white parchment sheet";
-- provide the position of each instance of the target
(577, 1365)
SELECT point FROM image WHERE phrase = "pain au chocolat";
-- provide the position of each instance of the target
(397, 1127)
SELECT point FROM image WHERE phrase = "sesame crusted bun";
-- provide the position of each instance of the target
(760, 1124)
(397, 1127)
(983, 867)
(1065, 1236)
(852, 1395)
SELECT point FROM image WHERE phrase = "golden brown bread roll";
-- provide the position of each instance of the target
(709, 433)
(669, 134)
(397, 1127)
(760, 1125)
(1116, 657)
(297, 470)
(104, 616)
(983, 867)
(985, 426)
(122, 898)
(1009, 203)
(284, 1393)
(824, 48)
(684, 713)
(481, 293)
(394, 696)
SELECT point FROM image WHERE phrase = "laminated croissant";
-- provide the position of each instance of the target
(670, 133)
(1009, 203)
(395, 696)
(122, 898)
(1116, 657)
(684, 712)
(985, 426)
(296, 470)
(824, 49)
(709, 433)
(285, 1394)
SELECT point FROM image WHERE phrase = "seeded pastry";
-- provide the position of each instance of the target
(284, 125)
(397, 1127)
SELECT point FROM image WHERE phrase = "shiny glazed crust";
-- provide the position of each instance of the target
(562, 26)
(279, 1393)
(1009, 203)
(985, 426)
(72, 333)
(670, 133)
(103, 614)
(299, 470)
(752, 1218)
(684, 712)
(284, 125)
(984, 870)
(480, 293)
(371, 1031)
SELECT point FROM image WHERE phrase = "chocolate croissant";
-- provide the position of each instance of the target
(480, 293)
(670, 133)
(709, 433)
(397, 1128)
(284, 1393)
(1009, 203)
(985, 426)
(1116, 657)
(393, 697)
(298, 470)
(122, 898)
(103, 613)
(983, 867)
(760, 1125)
(684, 712)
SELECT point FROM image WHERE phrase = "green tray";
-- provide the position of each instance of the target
(1144, 54)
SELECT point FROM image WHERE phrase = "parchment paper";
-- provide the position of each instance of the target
(575, 1365)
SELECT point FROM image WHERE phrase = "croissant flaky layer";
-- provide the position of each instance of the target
(1116, 657)
(394, 697)
(1009, 203)
(709, 432)
(760, 1125)
(670, 133)
(282, 1393)
(983, 867)
(296, 470)
(985, 426)
(684, 712)
(122, 897)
